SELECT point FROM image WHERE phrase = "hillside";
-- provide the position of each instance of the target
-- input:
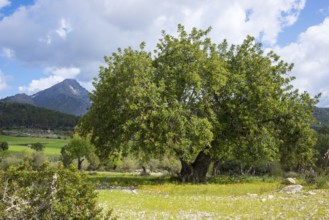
(19, 98)
(322, 115)
(16, 115)
(67, 97)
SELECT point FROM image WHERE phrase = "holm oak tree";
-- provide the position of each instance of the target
(201, 102)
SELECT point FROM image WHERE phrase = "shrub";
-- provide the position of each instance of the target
(3, 146)
(153, 164)
(309, 176)
(84, 165)
(276, 169)
(48, 193)
(37, 160)
(37, 146)
(10, 161)
(171, 165)
(34, 160)
(128, 164)
(322, 182)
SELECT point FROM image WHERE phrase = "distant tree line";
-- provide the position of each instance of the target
(15, 115)
(322, 117)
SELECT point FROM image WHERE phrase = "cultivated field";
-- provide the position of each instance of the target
(17, 144)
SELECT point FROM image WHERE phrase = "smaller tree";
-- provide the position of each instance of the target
(80, 149)
(3, 146)
(37, 146)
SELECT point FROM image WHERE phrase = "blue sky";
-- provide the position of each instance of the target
(42, 42)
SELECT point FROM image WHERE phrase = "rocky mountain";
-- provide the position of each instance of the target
(67, 97)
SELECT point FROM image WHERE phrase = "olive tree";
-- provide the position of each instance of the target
(79, 148)
(201, 102)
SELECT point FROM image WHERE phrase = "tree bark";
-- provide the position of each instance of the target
(80, 163)
(197, 171)
(186, 172)
(215, 168)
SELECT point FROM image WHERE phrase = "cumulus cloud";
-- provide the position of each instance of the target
(3, 83)
(56, 75)
(67, 33)
(310, 56)
(4, 3)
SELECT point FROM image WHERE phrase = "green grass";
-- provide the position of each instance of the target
(215, 201)
(155, 197)
(18, 144)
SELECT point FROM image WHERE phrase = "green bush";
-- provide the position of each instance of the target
(37, 146)
(10, 161)
(48, 193)
(322, 182)
(309, 176)
(171, 165)
(276, 169)
(3, 146)
(128, 164)
(37, 160)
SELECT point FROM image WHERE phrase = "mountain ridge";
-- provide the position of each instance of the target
(67, 97)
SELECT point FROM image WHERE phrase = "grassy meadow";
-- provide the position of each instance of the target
(236, 201)
(215, 201)
(157, 197)
(17, 144)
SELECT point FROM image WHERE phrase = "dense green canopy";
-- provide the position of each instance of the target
(200, 101)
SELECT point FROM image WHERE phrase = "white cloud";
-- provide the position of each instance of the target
(64, 28)
(310, 56)
(72, 33)
(56, 75)
(4, 3)
(3, 83)
(7, 52)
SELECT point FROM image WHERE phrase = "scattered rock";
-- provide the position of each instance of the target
(292, 188)
(311, 193)
(130, 191)
(252, 195)
(289, 181)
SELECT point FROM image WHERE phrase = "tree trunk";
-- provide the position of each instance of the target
(197, 171)
(144, 172)
(215, 168)
(80, 163)
(186, 172)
